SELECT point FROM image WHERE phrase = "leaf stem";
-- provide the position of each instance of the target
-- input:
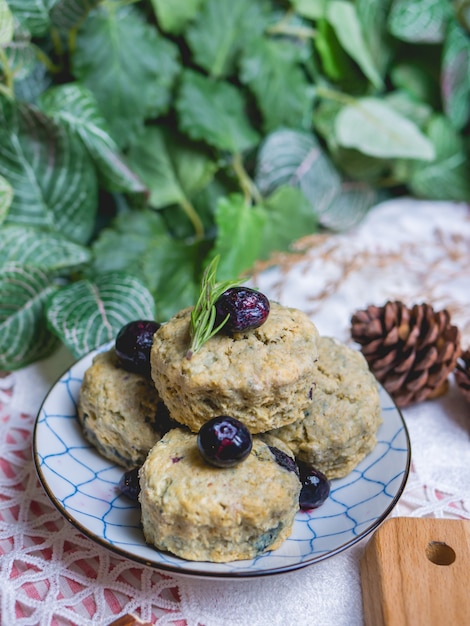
(46, 61)
(193, 216)
(300, 32)
(333, 94)
(283, 27)
(8, 74)
(250, 191)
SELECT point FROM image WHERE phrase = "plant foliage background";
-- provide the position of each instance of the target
(140, 139)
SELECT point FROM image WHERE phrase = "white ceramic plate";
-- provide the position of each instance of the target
(83, 486)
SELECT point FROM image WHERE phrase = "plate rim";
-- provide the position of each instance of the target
(202, 573)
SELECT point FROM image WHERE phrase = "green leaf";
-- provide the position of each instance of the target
(50, 252)
(167, 266)
(6, 23)
(349, 206)
(33, 15)
(127, 65)
(21, 55)
(24, 336)
(69, 14)
(89, 313)
(173, 168)
(214, 112)
(170, 269)
(446, 178)
(373, 127)
(280, 229)
(222, 30)
(311, 9)
(238, 241)
(421, 21)
(373, 16)
(289, 157)
(75, 106)
(455, 76)
(417, 81)
(6, 197)
(343, 17)
(53, 179)
(336, 63)
(272, 71)
(132, 234)
(173, 15)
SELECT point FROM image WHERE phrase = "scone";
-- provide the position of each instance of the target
(341, 424)
(203, 513)
(263, 377)
(120, 412)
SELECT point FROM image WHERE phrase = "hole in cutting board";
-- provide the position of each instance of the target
(440, 553)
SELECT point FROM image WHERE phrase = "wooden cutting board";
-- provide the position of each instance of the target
(416, 572)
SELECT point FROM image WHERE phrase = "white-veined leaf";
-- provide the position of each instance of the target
(90, 312)
(68, 14)
(75, 106)
(289, 157)
(21, 55)
(421, 21)
(373, 127)
(24, 336)
(455, 76)
(33, 15)
(6, 23)
(50, 252)
(6, 197)
(53, 178)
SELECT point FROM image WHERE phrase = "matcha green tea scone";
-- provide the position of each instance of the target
(264, 377)
(120, 411)
(341, 423)
(205, 513)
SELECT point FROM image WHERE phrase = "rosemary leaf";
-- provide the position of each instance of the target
(203, 316)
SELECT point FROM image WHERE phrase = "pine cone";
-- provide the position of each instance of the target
(411, 351)
(462, 374)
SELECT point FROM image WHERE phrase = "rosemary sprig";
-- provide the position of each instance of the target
(204, 313)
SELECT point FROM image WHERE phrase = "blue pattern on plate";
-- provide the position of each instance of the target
(83, 486)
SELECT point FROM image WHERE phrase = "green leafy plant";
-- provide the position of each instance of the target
(139, 140)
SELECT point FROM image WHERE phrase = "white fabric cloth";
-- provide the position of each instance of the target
(405, 249)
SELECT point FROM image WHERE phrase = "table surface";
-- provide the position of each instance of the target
(408, 250)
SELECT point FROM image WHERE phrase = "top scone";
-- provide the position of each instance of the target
(263, 377)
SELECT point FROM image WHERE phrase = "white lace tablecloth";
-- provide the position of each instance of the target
(52, 575)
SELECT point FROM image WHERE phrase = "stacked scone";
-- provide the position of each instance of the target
(300, 397)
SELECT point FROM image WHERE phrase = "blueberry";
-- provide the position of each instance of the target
(315, 487)
(133, 344)
(247, 309)
(129, 484)
(224, 441)
(284, 460)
